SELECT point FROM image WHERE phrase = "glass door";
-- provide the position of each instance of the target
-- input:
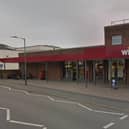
(118, 67)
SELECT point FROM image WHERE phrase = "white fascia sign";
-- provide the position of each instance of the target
(125, 52)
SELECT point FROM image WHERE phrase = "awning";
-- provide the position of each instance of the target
(89, 53)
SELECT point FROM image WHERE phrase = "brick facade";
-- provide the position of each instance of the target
(122, 30)
(55, 71)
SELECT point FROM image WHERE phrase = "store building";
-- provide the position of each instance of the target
(8, 68)
(96, 64)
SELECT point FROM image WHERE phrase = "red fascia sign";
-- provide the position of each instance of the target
(89, 53)
(117, 51)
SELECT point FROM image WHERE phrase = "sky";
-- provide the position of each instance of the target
(63, 23)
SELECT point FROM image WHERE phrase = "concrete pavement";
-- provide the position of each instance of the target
(91, 89)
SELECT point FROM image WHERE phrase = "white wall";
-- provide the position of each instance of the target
(8, 54)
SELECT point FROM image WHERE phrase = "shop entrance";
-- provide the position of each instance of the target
(70, 71)
(99, 70)
(117, 70)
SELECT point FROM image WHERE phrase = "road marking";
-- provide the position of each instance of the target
(25, 123)
(1, 108)
(68, 102)
(44, 127)
(112, 113)
(8, 115)
(108, 125)
(22, 91)
(81, 105)
(65, 101)
(5, 87)
(123, 117)
(52, 99)
(8, 118)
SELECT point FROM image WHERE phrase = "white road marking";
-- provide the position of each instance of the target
(1, 108)
(108, 125)
(22, 91)
(111, 113)
(38, 95)
(8, 118)
(44, 127)
(25, 123)
(123, 117)
(8, 114)
(5, 87)
(52, 99)
(68, 102)
(81, 105)
(65, 101)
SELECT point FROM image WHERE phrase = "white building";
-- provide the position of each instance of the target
(8, 52)
(11, 70)
(37, 48)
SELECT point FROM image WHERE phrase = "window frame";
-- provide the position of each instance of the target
(118, 39)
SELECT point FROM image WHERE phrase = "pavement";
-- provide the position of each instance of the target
(99, 90)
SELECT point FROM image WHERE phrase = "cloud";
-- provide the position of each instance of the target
(66, 23)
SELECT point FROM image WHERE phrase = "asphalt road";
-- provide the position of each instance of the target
(26, 110)
(95, 102)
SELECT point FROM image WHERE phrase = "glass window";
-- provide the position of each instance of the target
(117, 39)
(81, 70)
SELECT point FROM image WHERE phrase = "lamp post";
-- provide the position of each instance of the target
(25, 60)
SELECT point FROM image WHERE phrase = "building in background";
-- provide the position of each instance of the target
(38, 48)
(12, 70)
(8, 68)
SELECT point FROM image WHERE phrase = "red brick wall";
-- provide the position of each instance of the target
(55, 71)
(122, 30)
(34, 69)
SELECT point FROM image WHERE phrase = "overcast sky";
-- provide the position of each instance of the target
(64, 23)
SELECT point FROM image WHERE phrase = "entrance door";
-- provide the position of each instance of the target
(70, 71)
(99, 70)
(118, 67)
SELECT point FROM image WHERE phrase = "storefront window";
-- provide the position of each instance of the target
(99, 70)
(70, 70)
(118, 69)
(74, 70)
(81, 70)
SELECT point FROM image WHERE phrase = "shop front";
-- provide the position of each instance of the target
(74, 70)
(91, 64)
(118, 70)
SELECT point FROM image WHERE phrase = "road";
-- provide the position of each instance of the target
(20, 109)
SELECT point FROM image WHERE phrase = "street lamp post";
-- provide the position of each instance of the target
(25, 59)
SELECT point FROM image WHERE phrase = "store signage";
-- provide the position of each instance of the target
(125, 52)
